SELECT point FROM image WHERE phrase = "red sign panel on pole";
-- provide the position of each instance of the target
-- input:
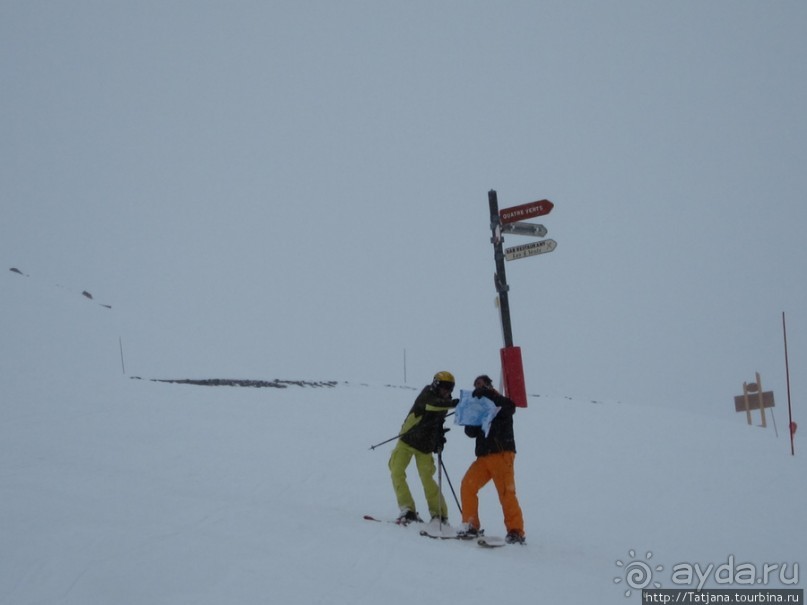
(513, 371)
(525, 211)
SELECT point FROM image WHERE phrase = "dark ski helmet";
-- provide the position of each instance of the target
(485, 379)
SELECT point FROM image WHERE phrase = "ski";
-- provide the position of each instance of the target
(377, 520)
(445, 532)
(450, 534)
(491, 542)
(445, 535)
(393, 521)
(483, 541)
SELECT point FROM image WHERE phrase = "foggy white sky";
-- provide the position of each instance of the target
(299, 189)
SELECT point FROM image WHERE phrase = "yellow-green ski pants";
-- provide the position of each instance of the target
(398, 461)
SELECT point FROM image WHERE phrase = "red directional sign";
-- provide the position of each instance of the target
(525, 211)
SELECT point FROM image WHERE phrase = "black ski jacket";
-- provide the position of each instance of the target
(423, 427)
(500, 437)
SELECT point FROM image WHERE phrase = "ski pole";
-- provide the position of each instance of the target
(399, 435)
(445, 472)
(372, 447)
(440, 511)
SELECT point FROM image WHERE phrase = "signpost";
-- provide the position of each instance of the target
(509, 220)
(754, 398)
(751, 401)
(531, 210)
(532, 229)
(531, 249)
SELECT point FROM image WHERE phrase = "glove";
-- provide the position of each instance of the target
(474, 431)
(482, 392)
(441, 440)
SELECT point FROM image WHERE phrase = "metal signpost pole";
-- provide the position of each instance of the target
(501, 278)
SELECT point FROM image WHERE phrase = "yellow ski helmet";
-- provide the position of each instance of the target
(445, 379)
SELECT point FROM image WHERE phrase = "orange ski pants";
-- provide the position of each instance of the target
(499, 468)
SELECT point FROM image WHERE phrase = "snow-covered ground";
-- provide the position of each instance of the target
(129, 491)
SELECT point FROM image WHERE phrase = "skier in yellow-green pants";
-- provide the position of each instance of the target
(421, 435)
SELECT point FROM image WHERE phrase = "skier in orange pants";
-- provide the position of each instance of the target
(496, 455)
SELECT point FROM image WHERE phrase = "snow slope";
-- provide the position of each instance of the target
(130, 491)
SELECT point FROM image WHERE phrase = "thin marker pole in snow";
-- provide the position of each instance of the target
(787, 374)
(122, 366)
